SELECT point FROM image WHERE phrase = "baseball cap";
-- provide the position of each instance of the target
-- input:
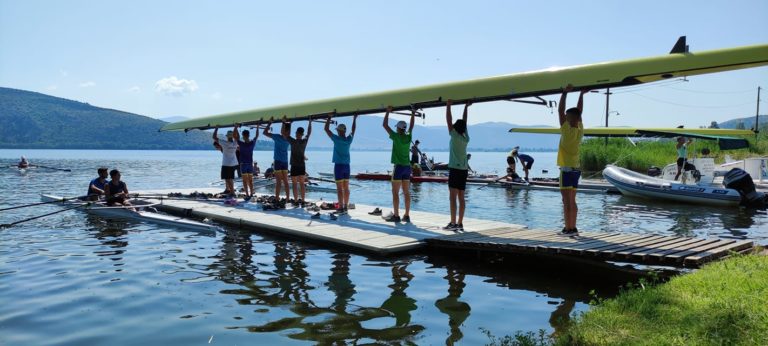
(401, 125)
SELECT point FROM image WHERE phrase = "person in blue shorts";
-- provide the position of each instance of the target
(246, 159)
(97, 186)
(341, 144)
(281, 157)
(571, 133)
(526, 161)
(401, 172)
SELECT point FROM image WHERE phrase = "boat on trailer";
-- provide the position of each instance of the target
(120, 212)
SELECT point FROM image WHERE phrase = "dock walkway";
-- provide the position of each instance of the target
(370, 233)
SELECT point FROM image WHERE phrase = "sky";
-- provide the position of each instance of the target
(200, 58)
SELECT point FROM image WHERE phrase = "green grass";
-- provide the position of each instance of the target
(595, 155)
(723, 303)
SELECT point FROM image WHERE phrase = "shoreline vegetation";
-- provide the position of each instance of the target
(595, 155)
(723, 303)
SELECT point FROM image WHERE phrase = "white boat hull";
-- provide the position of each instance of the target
(102, 210)
(635, 184)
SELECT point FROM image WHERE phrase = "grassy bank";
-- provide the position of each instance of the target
(595, 154)
(723, 303)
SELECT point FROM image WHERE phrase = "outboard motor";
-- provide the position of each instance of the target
(654, 171)
(741, 181)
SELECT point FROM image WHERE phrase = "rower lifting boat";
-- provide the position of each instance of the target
(101, 209)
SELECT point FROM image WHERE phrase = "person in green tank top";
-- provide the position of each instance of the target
(458, 165)
(571, 132)
(401, 172)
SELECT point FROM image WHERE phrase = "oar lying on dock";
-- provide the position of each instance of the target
(331, 181)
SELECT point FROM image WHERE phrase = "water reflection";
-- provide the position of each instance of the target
(457, 310)
(398, 302)
(111, 234)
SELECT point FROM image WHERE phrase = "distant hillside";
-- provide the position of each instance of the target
(37, 121)
(749, 122)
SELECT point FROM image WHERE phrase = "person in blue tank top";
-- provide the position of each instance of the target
(280, 156)
(246, 159)
(341, 170)
(97, 186)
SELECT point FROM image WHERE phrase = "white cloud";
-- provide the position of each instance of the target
(134, 89)
(217, 96)
(87, 84)
(173, 86)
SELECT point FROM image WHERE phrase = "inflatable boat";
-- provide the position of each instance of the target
(635, 184)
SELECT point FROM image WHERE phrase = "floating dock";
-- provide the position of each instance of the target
(370, 233)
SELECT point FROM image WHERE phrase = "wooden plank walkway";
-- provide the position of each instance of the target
(361, 231)
(357, 230)
(620, 247)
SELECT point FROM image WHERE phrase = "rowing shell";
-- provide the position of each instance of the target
(101, 209)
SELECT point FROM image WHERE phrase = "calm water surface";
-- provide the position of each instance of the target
(75, 279)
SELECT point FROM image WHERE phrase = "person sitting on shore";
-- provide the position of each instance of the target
(116, 191)
(97, 186)
(401, 172)
(526, 161)
(23, 163)
(341, 160)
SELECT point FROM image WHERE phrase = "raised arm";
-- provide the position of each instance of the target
(448, 115)
(580, 104)
(268, 128)
(215, 134)
(466, 109)
(328, 126)
(561, 104)
(386, 121)
(413, 120)
(236, 133)
(284, 128)
(309, 127)
(354, 125)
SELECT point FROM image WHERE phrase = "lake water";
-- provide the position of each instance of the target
(71, 278)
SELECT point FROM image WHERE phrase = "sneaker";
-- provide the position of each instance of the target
(315, 216)
(450, 227)
(247, 198)
(569, 232)
(333, 217)
(407, 219)
(392, 218)
(376, 211)
(459, 227)
(340, 211)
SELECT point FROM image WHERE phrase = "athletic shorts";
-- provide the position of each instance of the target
(341, 171)
(569, 178)
(281, 166)
(298, 170)
(115, 199)
(228, 172)
(527, 164)
(246, 168)
(457, 178)
(401, 173)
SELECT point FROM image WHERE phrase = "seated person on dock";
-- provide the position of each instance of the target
(469, 156)
(511, 173)
(270, 172)
(526, 161)
(116, 191)
(97, 186)
(256, 169)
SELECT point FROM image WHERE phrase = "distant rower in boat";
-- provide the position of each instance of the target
(116, 191)
(682, 156)
(571, 132)
(298, 165)
(401, 172)
(23, 163)
(526, 161)
(458, 165)
(228, 160)
(281, 157)
(469, 169)
(341, 160)
(97, 186)
(246, 159)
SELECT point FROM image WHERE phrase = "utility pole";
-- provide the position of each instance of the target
(757, 115)
(607, 109)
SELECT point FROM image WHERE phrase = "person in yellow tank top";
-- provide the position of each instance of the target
(571, 132)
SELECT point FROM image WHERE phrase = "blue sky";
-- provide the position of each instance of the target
(196, 58)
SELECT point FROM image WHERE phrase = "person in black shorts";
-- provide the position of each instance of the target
(458, 165)
(298, 166)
